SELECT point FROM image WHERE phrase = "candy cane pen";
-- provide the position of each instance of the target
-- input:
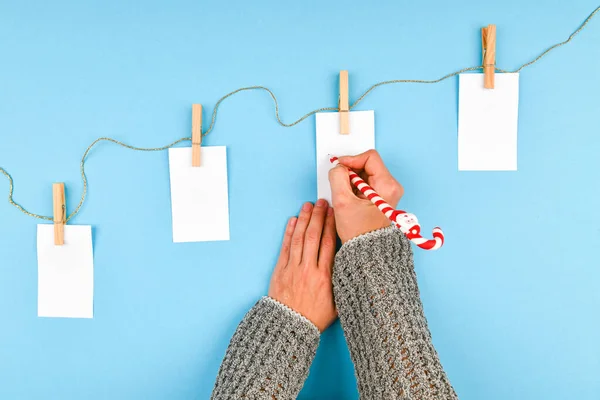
(406, 222)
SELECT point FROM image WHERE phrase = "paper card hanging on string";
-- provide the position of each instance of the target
(199, 195)
(487, 123)
(65, 272)
(329, 141)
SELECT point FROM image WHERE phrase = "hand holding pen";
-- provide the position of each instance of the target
(351, 224)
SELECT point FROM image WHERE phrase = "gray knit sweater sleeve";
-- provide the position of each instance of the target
(269, 355)
(378, 302)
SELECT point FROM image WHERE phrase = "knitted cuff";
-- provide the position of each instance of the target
(269, 355)
(381, 247)
(377, 298)
(370, 236)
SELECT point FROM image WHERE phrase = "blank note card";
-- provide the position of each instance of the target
(65, 273)
(487, 123)
(330, 141)
(199, 198)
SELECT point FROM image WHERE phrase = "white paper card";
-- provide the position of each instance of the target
(199, 197)
(65, 273)
(487, 123)
(330, 141)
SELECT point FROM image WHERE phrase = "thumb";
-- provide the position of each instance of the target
(341, 188)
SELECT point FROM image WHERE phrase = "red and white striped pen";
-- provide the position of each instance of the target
(406, 222)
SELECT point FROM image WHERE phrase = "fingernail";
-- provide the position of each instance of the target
(306, 207)
(321, 203)
(293, 221)
(330, 211)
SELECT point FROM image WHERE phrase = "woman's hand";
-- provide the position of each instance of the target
(355, 214)
(302, 276)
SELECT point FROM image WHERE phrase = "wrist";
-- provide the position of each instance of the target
(296, 314)
(373, 224)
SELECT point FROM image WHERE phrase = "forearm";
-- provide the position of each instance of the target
(269, 355)
(378, 302)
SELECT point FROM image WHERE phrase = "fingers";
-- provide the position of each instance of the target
(284, 253)
(328, 239)
(370, 167)
(312, 239)
(297, 244)
(341, 187)
(370, 161)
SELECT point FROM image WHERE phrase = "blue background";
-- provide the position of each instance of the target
(512, 299)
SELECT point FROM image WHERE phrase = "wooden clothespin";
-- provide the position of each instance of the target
(488, 45)
(60, 213)
(196, 133)
(344, 104)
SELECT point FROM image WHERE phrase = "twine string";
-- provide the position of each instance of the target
(277, 116)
